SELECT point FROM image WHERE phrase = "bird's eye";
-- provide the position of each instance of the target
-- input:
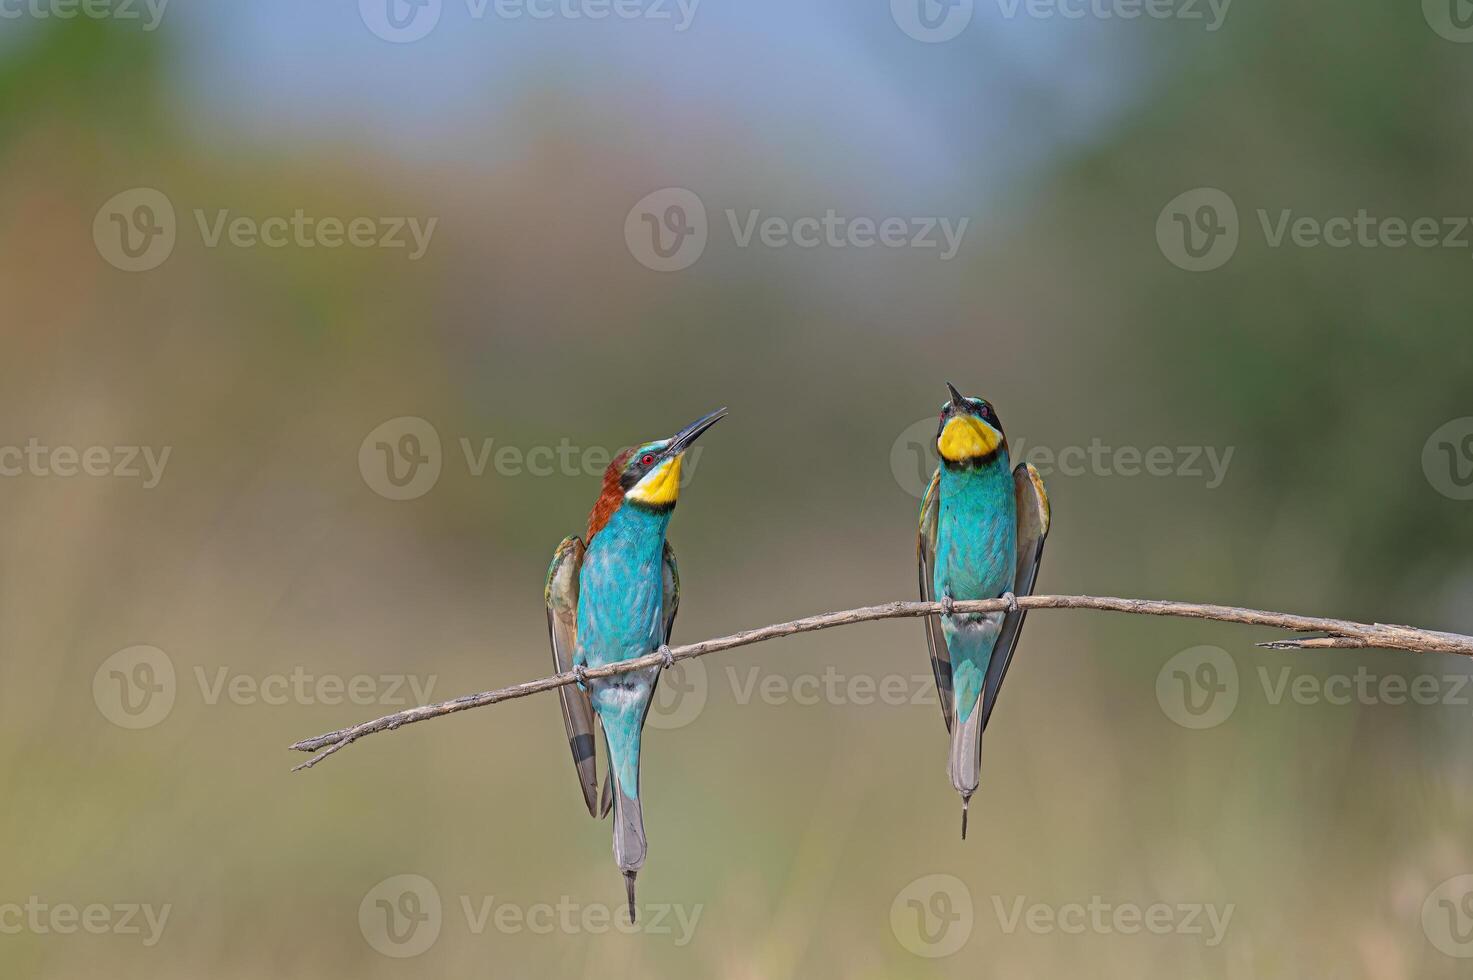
(648, 459)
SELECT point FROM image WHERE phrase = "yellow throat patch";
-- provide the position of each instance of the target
(660, 485)
(966, 437)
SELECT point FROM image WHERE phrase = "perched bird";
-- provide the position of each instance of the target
(614, 598)
(981, 537)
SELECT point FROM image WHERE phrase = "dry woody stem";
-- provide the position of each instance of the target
(1339, 634)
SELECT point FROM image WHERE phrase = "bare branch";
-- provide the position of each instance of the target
(1341, 634)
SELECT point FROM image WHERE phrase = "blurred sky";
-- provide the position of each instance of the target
(935, 121)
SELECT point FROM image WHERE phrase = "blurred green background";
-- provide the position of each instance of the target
(795, 829)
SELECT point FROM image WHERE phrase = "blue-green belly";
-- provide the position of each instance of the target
(976, 558)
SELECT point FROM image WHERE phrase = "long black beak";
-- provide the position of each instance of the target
(956, 397)
(682, 439)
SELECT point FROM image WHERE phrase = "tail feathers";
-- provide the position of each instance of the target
(629, 841)
(623, 718)
(965, 761)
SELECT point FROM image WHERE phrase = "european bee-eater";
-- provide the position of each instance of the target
(981, 537)
(614, 598)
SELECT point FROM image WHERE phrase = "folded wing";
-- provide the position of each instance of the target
(562, 628)
(926, 559)
(1033, 523)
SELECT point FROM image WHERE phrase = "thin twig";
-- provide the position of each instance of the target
(1341, 634)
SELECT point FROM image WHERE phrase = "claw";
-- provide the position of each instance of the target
(581, 672)
(948, 605)
(1011, 600)
(667, 659)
